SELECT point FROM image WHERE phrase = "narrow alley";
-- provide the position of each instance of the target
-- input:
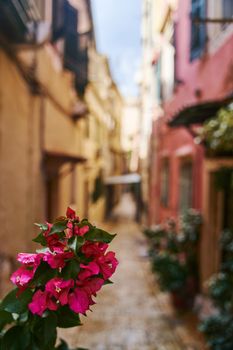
(116, 117)
(133, 314)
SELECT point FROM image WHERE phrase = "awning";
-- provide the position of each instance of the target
(54, 160)
(199, 113)
(123, 179)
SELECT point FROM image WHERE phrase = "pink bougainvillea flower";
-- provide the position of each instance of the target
(91, 285)
(41, 301)
(70, 229)
(22, 277)
(57, 260)
(55, 243)
(57, 292)
(88, 270)
(74, 230)
(94, 250)
(82, 230)
(59, 289)
(71, 214)
(27, 258)
(80, 301)
(47, 232)
(32, 260)
(107, 264)
(25, 273)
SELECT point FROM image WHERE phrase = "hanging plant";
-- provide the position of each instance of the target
(99, 188)
(217, 133)
(56, 284)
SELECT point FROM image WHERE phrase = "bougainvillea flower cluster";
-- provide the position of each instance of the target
(62, 279)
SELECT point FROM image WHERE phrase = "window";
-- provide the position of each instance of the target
(157, 70)
(227, 10)
(58, 19)
(198, 30)
(185, 187)
(165, 183)
(224, 183)
(167, 67)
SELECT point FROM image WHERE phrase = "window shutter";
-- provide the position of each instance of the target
(58, 22)
(198, 30)
(71, 36)
(186, 184)
(227, 8)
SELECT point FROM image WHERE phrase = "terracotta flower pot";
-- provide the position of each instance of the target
(183, 299)
(179, 300)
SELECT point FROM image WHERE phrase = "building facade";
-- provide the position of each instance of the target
(194, 77)
(57, 135)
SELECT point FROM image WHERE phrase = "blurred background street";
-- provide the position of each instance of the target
(134, 314)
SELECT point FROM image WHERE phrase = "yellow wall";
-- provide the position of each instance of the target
(32, 125)
(29, 126)
(21, 189)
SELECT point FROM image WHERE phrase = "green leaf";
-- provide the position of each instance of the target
(71, 270)
(75, 243)
(58, 227)
(23, 317)
(43, 274)
(67, 318)
(80, 242)
(98, 235)
(43, 227)
(63, 346)
(108, 282)
(40, 239)
(5, 318)
(44, 331)
(16, 304)
(42, 250)
(16, 338)
(86, 222)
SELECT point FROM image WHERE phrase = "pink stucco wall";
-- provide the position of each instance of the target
(212, 75)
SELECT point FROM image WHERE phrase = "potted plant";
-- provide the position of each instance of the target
(175, 260)
(172, 277)
(218, 327)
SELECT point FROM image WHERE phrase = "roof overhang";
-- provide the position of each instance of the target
(123, 179)
(53, 161)
(199, 113)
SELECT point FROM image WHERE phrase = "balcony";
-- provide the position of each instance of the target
(17, 20)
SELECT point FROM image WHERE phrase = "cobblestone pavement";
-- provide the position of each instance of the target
(133, 314)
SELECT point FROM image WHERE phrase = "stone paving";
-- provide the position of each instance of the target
(133, 314)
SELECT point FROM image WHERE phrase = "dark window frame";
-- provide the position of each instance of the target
(198, 30)
(186, 174)
(165, 183)
(227, 11)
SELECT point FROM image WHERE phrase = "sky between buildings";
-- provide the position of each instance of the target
(117, 29)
